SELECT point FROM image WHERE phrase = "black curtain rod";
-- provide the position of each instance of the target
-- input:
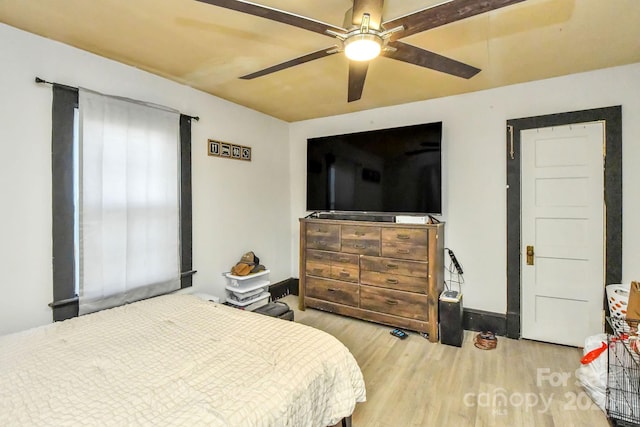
(39, 80)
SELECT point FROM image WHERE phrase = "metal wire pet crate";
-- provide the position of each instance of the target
(623, 374)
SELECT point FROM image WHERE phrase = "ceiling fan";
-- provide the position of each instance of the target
(365, 35)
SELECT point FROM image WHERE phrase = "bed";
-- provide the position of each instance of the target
(177, 360)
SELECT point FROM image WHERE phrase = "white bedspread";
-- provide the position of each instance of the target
(176, 360)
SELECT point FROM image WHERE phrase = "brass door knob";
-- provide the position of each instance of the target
(530, 254)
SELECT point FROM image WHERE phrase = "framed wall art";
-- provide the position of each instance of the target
(231, 151)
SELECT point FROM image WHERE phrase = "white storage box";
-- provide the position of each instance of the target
(248, 292)
(242, 290)
(243, 296)
(248, 280)
(252, 303)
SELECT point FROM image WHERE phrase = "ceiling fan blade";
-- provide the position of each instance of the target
(424, 58)
(373, 8)
(442, 14)
(276, 15)
(357, 75)
(297, 61)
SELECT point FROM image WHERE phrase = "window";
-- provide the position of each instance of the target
(122, 213)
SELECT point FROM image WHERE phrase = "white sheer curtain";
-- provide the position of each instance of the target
(129, 187)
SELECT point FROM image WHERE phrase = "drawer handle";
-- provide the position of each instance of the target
(345, 260)
(359, 246)
(344, 274)
(392, 281)
(331, 290)
(392, 302)
(321, 243)
(403, 251)
(360, 233)
(392, 266)
(403, 236)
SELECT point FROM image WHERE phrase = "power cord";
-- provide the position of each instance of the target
(455, 272)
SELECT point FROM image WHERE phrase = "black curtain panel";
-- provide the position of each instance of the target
(65, 101)
(185, 202)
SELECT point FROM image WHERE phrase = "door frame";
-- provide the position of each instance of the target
(612, 118)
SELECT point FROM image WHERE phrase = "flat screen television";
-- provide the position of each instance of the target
(397, 170)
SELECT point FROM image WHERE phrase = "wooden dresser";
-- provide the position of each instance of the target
(379, 271)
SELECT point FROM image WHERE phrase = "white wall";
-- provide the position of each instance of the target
(474, 158)
(235, 209)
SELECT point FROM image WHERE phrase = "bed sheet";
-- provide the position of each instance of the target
(176, 360)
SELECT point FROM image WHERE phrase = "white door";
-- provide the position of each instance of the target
(563, 224)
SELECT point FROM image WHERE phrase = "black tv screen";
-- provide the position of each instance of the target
(395, 170)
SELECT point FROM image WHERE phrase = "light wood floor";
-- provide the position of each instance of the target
(413, 382)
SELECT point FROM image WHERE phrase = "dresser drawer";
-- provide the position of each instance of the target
(333, 265)
(346, 273)
(332, 290)
(318, 263)
(347, 260)
(397, 303)
(394, 281)
(314, 268)
(319, 256)
(360, 240)
(323, 236)
(406, 243)
(395, 266)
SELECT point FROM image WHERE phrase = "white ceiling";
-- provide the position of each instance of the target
(208, 47)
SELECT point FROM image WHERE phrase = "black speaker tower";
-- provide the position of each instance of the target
(451, 332)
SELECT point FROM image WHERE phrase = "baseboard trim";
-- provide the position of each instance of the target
(478, 320)
(284, 288)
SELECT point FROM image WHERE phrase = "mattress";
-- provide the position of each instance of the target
(176, 360)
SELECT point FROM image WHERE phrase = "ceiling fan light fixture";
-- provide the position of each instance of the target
(362, 47)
